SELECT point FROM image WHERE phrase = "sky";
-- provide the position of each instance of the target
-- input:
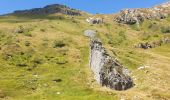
(91, 6)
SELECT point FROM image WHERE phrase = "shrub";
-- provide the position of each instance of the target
(58, 60)
(21, 29)
(147, 37)
(19, 60)
(135, 27)
(61, 60)
(154, 26)
(165, 29)
(27, 43)
(24, 30)
(118, 39)
(28, 34)
(42, 30)
(59, 44)
(30, 84)
(38, 61)
(2, 35)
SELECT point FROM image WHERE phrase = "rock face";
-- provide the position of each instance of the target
(132, 16)
(50, 9)
(107, 70)
(94, 20)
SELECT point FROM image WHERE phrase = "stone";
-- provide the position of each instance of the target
(94, 20)
(143, 67)
(136, 16)
(58, 93)
(107, 70)
(45, 85)
(153, 44)
(90, 33)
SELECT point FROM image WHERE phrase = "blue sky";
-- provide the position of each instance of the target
(91, 6)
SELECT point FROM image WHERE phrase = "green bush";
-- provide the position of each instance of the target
(61, 60)
(27, 43)
(117, 39)
(58, 60)
(30, 84)
(28, 34)
(165, 29)
(59, 44)
(135, 27)
(20, 60)
(147, 37)
(154, 26)
(25, 31)
(42, 30)
(37, 60)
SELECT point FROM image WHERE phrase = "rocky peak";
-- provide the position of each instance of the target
(49, 9)
(132, 16)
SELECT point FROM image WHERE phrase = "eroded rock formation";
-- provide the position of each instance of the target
(107, 70)
(132, 16)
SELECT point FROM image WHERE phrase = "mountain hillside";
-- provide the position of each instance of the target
(45, 55)
(50, 9)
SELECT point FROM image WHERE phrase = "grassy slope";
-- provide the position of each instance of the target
(27, 72)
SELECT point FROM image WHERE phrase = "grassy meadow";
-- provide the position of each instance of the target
(47, 58)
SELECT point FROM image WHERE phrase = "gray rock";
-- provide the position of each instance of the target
(90, 33)
(107, 70)
(136, 16)
(94, 20)
(148, 45)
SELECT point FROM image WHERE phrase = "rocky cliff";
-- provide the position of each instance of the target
(132, 16)
(50, 9)
(107, 70)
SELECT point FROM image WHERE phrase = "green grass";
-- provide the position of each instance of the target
(54, 47)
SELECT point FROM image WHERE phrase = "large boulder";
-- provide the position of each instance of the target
(107, 70)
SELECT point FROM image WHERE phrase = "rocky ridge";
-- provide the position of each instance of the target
(49, 9)
(133, 16)
(107, 70)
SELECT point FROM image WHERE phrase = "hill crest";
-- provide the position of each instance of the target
(49, 9)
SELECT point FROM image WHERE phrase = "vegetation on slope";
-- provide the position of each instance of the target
(47, 57)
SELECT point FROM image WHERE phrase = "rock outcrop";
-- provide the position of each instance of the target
(107, 70)
(90, 33)
(50, 9)
(132, 16)
(148, 45)
(94, 20)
